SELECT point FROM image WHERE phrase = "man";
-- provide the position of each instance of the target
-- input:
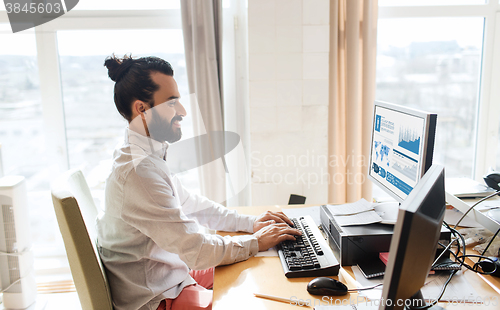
(148, 236)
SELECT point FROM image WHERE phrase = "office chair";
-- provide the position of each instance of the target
(76, 214)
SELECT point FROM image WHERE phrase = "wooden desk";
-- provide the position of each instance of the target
(234, 285)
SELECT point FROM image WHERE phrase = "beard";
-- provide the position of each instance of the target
(162, 130)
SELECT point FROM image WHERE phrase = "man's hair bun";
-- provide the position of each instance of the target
(117, 67)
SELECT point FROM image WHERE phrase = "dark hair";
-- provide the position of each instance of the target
(133, 80)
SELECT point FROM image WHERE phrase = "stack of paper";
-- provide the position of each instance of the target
(360, 212)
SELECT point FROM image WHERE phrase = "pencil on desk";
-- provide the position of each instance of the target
(276, 298)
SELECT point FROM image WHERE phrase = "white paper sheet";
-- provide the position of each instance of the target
(269, 253)
(351, 208)
(362, 218)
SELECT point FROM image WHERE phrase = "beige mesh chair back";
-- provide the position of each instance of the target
(76, 214)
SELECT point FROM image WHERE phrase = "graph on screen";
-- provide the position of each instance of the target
(406, 165)
(409, 139)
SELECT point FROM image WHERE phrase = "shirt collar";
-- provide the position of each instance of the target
(146, 144)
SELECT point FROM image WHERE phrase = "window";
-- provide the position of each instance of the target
(23, 138)
(75, 45)
(441, 55)
(21, 126)
(433, 64)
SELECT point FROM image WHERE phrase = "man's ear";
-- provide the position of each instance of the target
(139, 108)
(139, 111)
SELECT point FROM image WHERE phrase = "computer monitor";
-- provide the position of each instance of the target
(414, 242)
(402, 145)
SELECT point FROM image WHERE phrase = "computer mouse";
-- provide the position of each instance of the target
(326, 286)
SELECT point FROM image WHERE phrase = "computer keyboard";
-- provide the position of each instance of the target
(309, 255)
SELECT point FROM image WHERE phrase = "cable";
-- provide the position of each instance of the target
(11, 285)
(474, 205)
(491, 241)
(435, 301)
(457, 235)
(460, 258)
(2, 253)
(484, 251)
(447, 248)
(16, 282)
(364, 288)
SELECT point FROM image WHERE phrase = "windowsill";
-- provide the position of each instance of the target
(52, 269)
(61, 301)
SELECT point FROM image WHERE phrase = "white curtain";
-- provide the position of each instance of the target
(201, 25)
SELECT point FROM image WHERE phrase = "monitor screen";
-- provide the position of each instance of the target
(401, 150)
(414, 243)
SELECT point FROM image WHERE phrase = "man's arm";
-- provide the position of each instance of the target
(216, 216)
(150, 206)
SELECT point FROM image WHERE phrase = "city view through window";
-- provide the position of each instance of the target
(434, 64)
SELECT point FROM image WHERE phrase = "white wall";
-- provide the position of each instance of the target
(288, 43)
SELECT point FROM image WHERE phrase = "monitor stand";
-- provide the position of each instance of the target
(418, 301)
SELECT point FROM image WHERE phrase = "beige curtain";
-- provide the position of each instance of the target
(353, 44)
(201, 27)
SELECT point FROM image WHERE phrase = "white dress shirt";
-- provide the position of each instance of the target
(148, 235)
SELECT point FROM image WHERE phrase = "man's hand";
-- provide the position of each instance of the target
(268, 218)
(273, 234)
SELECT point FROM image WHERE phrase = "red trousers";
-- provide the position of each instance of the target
(194, 296)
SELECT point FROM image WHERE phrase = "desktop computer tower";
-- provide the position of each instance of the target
(353, 244)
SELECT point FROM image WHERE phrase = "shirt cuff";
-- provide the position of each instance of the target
(246, 223)
(253, 247)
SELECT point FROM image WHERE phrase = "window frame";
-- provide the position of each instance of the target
(49, 68)
(488, 108)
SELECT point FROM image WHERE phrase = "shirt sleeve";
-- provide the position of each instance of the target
(211, 214)
(150, 206)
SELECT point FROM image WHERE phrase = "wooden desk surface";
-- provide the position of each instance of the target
(234, 285)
